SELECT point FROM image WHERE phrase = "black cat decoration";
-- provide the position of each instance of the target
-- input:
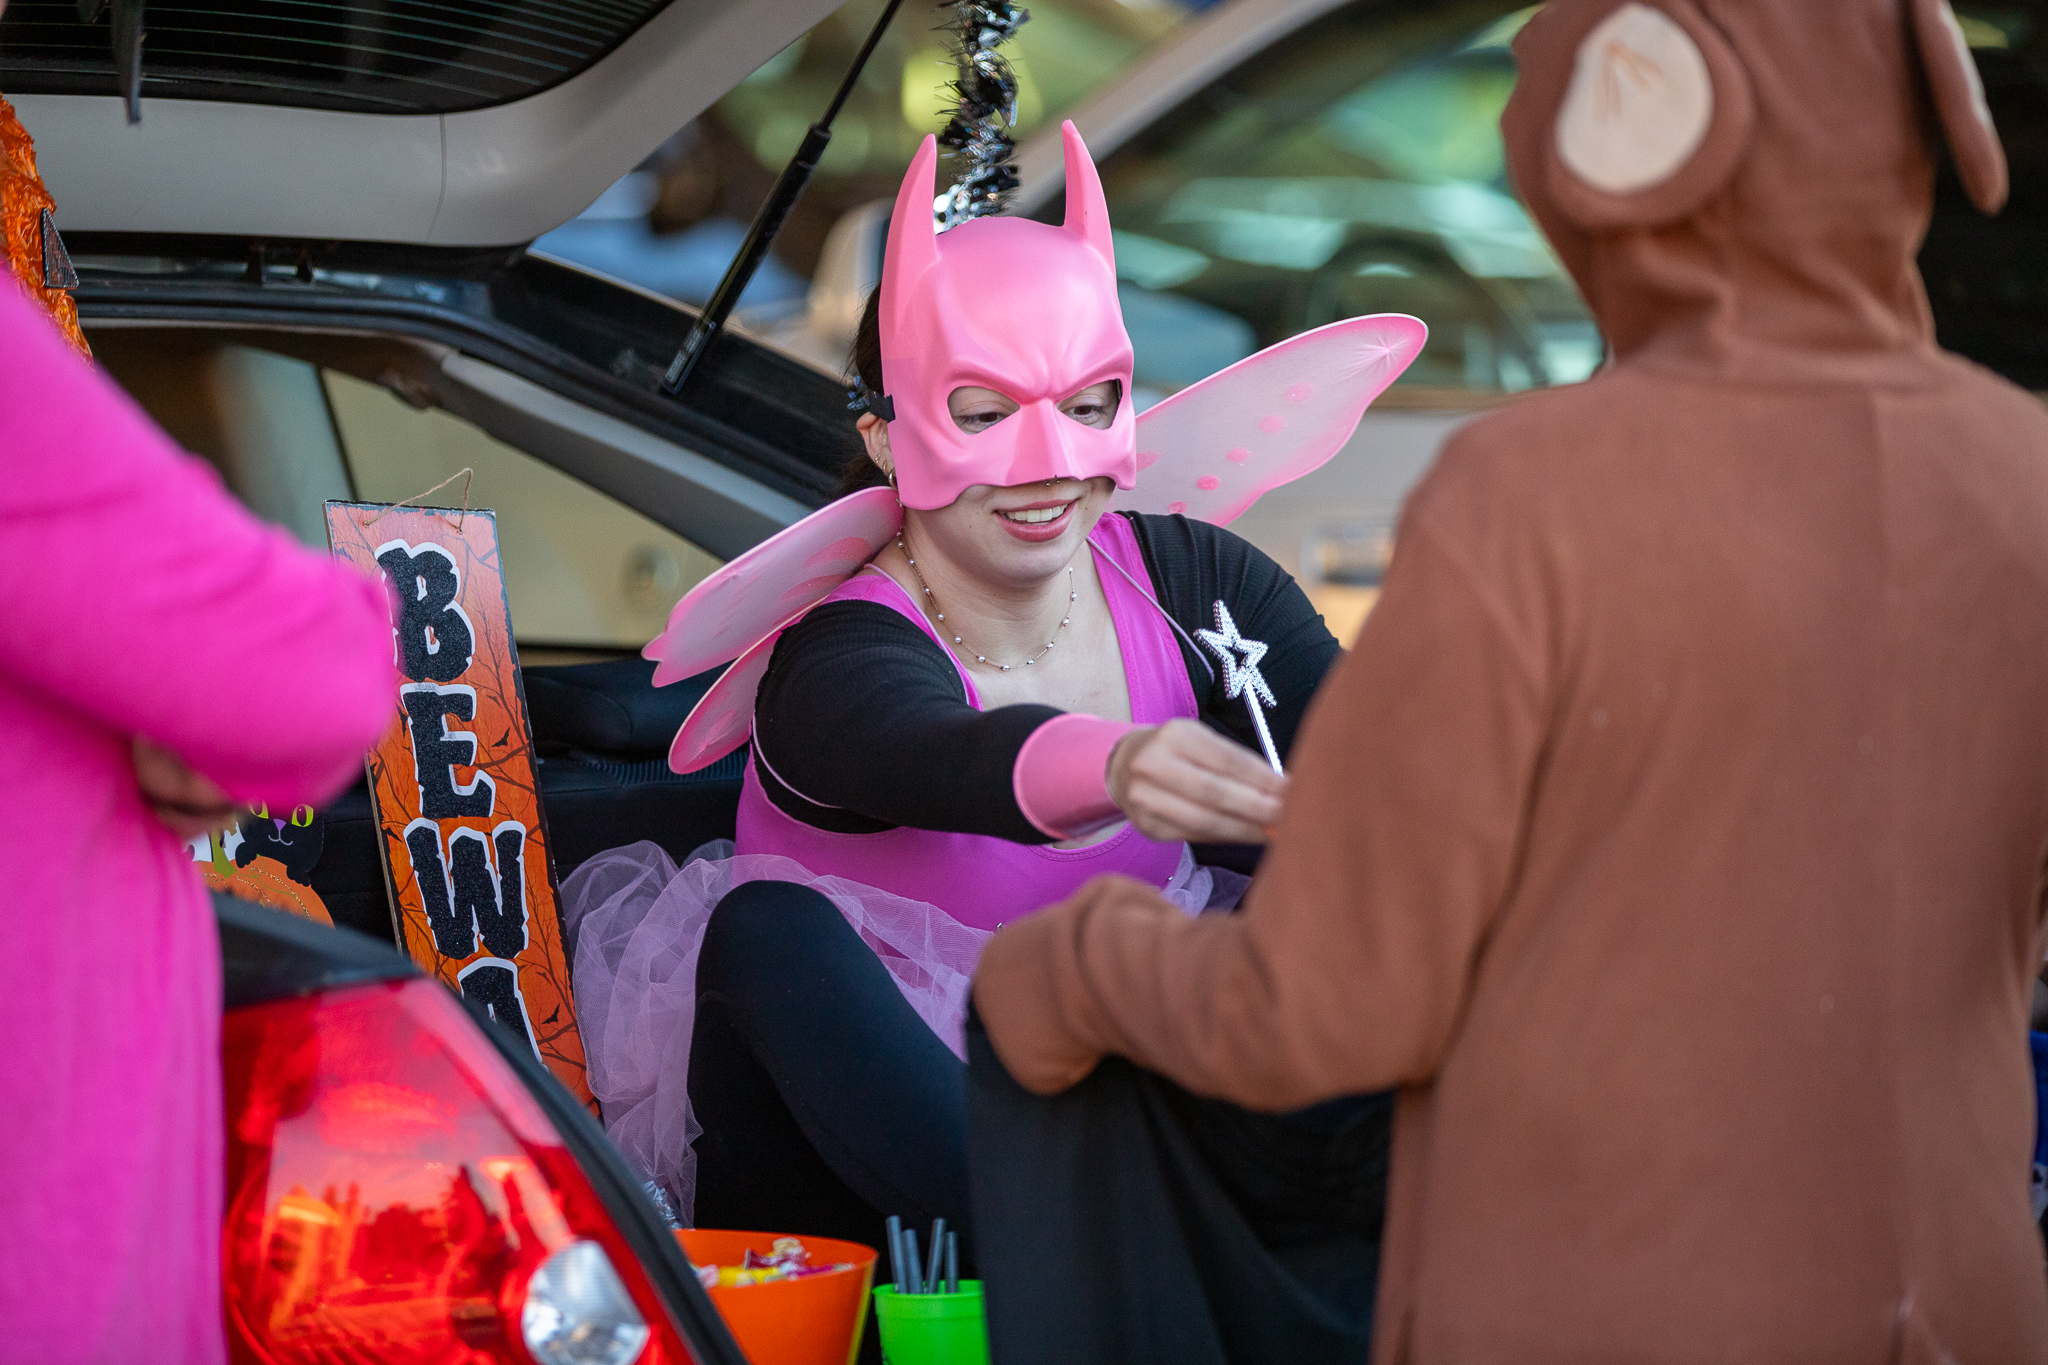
(295, 842)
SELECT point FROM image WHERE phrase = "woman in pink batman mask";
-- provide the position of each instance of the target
(1004, 702)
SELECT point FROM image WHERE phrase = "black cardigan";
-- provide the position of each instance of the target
(863, 712)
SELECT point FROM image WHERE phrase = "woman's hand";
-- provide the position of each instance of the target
(1183, 781)
(188, 804)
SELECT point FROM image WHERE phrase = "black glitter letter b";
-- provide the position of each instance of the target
(434, 639)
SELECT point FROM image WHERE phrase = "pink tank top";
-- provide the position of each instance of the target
(980, 880)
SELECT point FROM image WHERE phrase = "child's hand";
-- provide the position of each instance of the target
(188, 804)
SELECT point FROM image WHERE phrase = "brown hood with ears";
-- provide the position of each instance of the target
(1671, 840)
(1741, 186)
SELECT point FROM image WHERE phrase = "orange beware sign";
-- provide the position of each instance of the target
(462, 834)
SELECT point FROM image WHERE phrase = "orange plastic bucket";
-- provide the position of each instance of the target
(813, 1321)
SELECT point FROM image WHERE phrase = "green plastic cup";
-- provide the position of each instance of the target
(932, 1329)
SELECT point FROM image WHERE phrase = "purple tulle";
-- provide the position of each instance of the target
(637, 924)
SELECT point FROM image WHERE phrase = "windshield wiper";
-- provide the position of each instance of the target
(768, 222)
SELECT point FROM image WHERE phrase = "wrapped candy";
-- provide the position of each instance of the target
(786, 1260)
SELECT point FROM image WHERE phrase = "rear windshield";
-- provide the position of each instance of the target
(365, 56)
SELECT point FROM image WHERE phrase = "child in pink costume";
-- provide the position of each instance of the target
(139, 601)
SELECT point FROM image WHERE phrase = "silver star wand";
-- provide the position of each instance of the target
(1241, 676)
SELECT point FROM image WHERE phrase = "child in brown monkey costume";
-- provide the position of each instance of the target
(1672, 841)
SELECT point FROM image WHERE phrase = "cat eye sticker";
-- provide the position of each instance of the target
(1639, 105)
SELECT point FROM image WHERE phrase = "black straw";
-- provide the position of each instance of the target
(896, 1251)
(910, 1259)
(931, 1271)
(952, 1263)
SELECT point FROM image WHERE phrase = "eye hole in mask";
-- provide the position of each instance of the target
(1096, 405)
(976, 409)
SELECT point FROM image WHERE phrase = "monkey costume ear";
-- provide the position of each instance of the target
(1958, 91)
(1654, 119)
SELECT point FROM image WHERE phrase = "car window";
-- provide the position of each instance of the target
(582, 571)
(674, 224)
(1354, 166)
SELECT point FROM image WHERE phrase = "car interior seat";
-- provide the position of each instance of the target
(601, 729)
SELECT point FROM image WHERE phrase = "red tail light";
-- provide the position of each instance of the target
(396, 1196)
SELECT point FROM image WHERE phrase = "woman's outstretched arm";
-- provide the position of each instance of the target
(862, 725)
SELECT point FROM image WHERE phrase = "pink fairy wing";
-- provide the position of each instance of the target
(1214, 448)
(724, 716)
(784, 576)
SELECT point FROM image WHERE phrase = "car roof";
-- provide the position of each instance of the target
(509, 129)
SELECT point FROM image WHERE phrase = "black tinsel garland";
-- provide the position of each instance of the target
(984, 112)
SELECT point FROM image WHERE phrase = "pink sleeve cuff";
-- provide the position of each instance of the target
(1062, 775)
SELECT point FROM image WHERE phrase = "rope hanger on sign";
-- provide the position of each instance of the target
(466, 474)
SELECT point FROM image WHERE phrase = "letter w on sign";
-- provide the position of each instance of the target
(462, 834)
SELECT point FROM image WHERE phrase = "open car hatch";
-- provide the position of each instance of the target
(474, 125)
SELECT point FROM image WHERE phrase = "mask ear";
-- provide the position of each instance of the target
(913, 246)
(1958, 91)
(1087, 209)
(1654, 119)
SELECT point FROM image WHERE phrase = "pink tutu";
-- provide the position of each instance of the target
(637, 923)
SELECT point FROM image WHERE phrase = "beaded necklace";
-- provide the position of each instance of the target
(1065, 620)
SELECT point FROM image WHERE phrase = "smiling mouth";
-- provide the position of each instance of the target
(1036, 516)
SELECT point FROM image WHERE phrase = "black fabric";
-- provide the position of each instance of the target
(826, 1104)
(864, 715)
(1194, 565)
(609, 707)
(1127, 1222)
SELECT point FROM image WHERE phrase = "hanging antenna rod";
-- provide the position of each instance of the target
(768, 222)
(127, 47)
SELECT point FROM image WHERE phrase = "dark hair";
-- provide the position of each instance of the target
(859, 471)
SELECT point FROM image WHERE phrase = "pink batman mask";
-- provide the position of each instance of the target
(1023, 308)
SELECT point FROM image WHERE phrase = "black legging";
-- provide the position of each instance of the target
(1128, 1222)
(826, 1103)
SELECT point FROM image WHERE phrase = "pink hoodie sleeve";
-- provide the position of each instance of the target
(138, 593)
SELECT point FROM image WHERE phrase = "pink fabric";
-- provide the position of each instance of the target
(731, 608)
(1062, 775)
(1213, 449)
(1061, 329)
(136, 598)
(638, 925)
(980, 880)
